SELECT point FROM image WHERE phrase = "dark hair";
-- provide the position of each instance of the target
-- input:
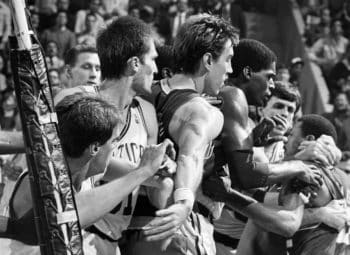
(73, 53)
(316, 125)
(165, 59)
(251, 53)
(287, 91)
(201, 34)
(124, 38)
(84, 120)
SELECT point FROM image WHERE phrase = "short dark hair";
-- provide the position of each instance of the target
(316, 125)
(124, 38)
(287, 91)
(83, 120)
(251, 53)
(165, 59)
(73, 53)
(201, 34)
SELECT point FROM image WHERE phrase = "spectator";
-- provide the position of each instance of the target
(147, 14)
(95, 8)
(282, 73)
(329, 49)
(55, 82)
(296, 67)
(180, 17)
(345, 18)
(3, 81)
(5, 24)
(231, 11)
(88, 37)
(52, 60)
(63, 5)
(340, 118)
(313, 30)
(46, 9)
(134, 11)
(64, 38)
(8, 110)
(112, 6)
(339, 74)
(35, 21)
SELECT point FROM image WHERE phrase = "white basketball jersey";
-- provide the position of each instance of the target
(130, 148)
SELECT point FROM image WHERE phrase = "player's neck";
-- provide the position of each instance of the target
(79, 168)
(187, 81)
(119, 91)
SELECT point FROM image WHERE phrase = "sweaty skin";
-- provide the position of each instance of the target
(238, 144)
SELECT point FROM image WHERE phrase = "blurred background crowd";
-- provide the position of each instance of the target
(310, 38)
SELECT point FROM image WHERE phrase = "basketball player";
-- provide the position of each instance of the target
(82, 68)
(320, 230)
(89, 129)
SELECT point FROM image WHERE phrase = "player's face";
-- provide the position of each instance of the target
(261, 84)
(87, 70)
(218, 73)
(294, 140)
(144, 77)
(104, 155)
(284, 108)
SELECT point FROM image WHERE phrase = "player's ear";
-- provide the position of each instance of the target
(247, 72)
(94, 148)
(132, 66)
(68, 72)
(207, 60)
(166, 73)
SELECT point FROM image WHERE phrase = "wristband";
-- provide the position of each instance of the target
(184, 194)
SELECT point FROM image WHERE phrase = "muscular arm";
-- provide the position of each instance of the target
(238, 145)
(193, 127)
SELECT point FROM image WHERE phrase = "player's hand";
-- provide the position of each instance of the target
(265, 127)
(323, 150)
(334, 214)
(167, 222)
(154, 155)
(310, 174)
(168, 167)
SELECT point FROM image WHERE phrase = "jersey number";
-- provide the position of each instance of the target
(127, 210)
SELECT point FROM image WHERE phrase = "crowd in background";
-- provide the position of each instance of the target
(327, 34)
(62, 24)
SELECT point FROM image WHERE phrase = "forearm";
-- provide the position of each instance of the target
(312, 216)
(93, 204)
(188, 172)
(276, 219)
(245, 171)
(161, 196)
(283, 171)
(11, 142)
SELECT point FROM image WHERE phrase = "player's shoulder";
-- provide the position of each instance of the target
(85, 90)
(233, 101)
(231, 94)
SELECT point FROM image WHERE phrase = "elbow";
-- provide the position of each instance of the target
(288, 231)
(289, 227)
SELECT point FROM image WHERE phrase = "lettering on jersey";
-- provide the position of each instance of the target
(130, 151)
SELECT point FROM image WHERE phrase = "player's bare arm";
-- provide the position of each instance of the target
(238, 148)
(193, 127)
